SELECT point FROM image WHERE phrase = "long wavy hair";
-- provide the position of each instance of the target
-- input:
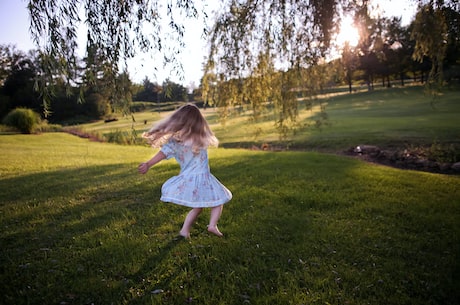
(186, 125)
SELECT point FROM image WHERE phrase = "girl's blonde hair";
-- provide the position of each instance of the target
(186, 125)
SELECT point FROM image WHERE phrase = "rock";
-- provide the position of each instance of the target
(367, 149)
(456, 166)
(444, 167)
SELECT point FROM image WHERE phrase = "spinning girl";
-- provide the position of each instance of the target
(186, 135)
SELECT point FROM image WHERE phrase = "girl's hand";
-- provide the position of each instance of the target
(143, 168)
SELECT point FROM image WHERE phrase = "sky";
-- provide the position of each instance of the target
(14, 25)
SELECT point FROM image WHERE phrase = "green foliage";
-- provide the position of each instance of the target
(431, 33)
(17, 76)
(256, 35)
(45, 127)
(116, 31)
(81, 226)
(121, 137)
(444, 152)
(5, 105)
(25, 120)
(142, 106)
(97, 105)
(148, 92)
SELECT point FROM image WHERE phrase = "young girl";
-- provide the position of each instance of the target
(185, 135)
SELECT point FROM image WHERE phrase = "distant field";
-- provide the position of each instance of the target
(386, 117)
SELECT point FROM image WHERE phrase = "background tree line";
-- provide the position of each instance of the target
(87, 100)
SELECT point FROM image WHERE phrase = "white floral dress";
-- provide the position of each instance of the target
(195, 186)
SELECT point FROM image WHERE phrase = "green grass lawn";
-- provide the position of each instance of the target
(79, 225)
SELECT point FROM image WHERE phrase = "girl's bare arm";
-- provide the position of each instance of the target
(144, 167)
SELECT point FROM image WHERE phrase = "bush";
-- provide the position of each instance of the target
(448, 153)
(23, 119)
(142, 106)
(121, 137)
(97, 105)
(46, 127)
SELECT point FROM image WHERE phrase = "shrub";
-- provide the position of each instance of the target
(23, 119)
(118, 137)
(46, 127)
(449, 153)
(122, 137)
(97, 105)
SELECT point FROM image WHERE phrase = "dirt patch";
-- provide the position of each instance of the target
(85, 135)
(413, 159)
(403, 158)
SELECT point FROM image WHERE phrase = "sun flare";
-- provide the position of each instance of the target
(348, 33)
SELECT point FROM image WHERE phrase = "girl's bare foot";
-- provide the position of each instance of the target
(215, 230)
(184, 234)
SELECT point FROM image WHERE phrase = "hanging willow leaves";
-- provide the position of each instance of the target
(118, 30)
(265, 45)
(430, 35)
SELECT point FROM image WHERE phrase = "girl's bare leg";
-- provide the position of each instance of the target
(189, 221)
(215, 216)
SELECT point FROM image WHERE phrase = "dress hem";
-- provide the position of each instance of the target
(194, 204)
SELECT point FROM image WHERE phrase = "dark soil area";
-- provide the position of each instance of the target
(417, 158)
(413, 159)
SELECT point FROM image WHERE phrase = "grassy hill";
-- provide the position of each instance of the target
(396, 117)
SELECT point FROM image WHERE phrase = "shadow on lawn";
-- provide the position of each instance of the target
(75, 234)
(100, 235)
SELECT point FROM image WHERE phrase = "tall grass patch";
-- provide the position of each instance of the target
(81, 226)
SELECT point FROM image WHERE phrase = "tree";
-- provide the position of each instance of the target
(150, 92)
(453, 43)
(400, 47)
(349, 63)
(8, 56)
(17, 79)
(430, 34)
(368, 45)
(436, 31)
(295, 32)
(292, 34)
(172, 92)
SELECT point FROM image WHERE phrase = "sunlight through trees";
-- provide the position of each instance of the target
(261, 53)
